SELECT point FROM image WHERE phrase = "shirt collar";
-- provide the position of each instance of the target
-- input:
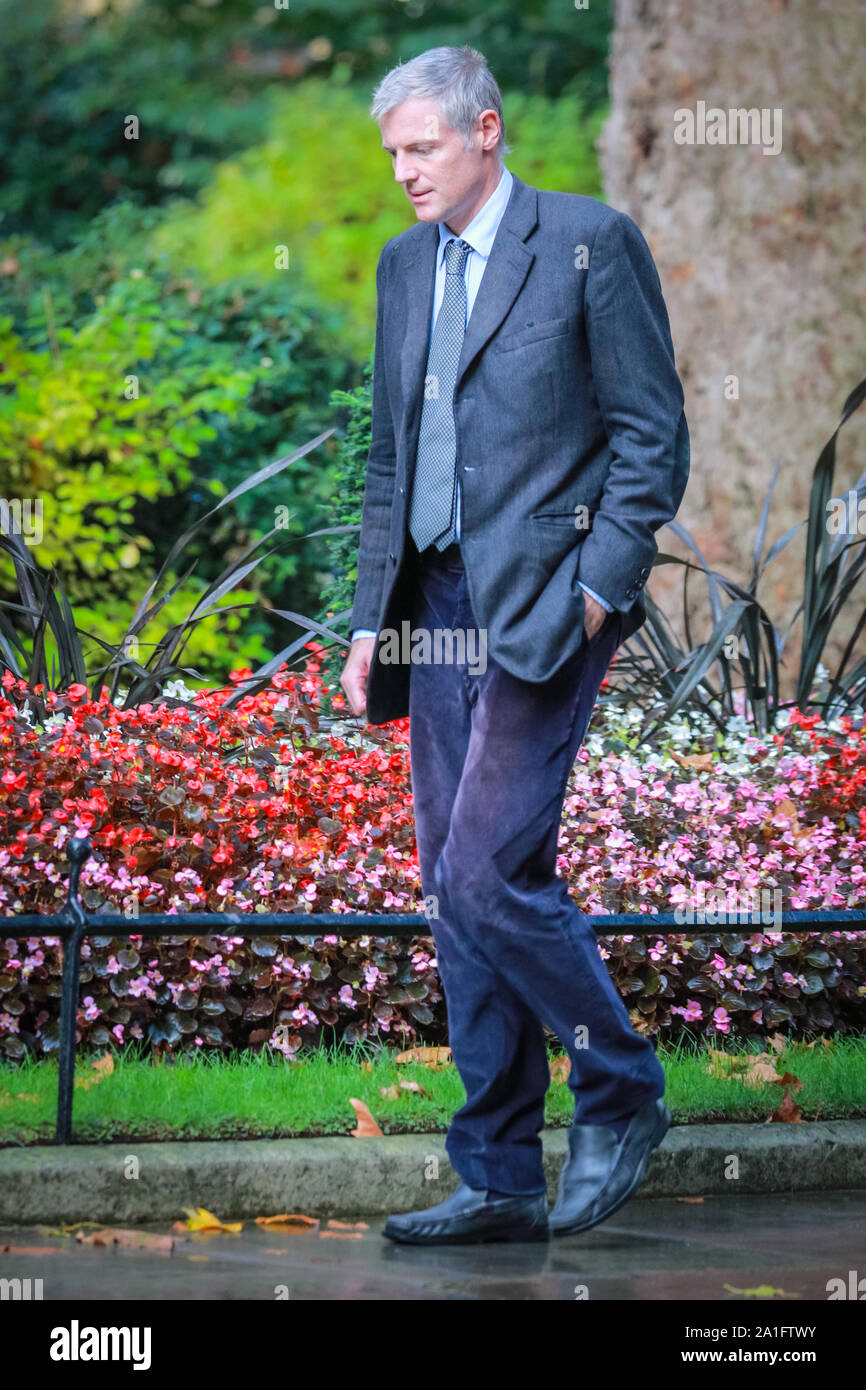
(481, 231)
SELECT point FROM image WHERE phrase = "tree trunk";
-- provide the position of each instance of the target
(761, 256)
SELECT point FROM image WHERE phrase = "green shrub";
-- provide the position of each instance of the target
(200, 80)
(230, 376)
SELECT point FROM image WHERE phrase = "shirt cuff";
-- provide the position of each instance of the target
(362, 632)
(608, 607)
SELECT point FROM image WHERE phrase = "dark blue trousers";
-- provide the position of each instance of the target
(491, 756)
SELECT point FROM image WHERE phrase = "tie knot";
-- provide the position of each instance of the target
(455, 256)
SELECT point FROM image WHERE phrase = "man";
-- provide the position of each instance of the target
(528, 439)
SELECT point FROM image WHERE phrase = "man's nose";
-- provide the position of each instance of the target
(404, 170)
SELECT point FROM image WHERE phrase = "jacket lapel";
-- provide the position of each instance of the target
(507, 268)
(416, 292)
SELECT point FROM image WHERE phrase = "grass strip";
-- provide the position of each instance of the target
(261, 1095)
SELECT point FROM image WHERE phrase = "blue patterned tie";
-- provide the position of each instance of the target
(434, 491)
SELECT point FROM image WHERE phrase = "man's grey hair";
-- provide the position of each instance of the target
(458, 78)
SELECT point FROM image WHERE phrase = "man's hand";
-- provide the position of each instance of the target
(593, 615)
(355, 673)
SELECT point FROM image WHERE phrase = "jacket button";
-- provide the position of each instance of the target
(393, 558)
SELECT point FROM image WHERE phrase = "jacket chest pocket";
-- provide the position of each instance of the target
(545, 331)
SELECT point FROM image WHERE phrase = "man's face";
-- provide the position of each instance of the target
(444, 181)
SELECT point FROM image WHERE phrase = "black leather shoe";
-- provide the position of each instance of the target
(466, 1218)
(602, 1172)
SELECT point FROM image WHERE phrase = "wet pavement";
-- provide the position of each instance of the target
(663, 1249)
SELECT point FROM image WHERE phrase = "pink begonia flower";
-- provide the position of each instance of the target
(141, 986)
(721, 1020)
(90, 1010)
(690, 1013)
(346, 996)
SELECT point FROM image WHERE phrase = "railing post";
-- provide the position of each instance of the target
(77, 852)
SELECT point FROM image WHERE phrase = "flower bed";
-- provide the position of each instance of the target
(194, 807)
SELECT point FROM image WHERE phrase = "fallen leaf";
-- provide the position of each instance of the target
(722, 1064)
(431, 1057)
(367, 1127)
(137, 1240)
(785, 808)
(762, 1291)
(701, 762)
(348, 1225)
(198, 1257)
(393, 1092)
(788, 1112)
(761, 1069)
(789, 1080)
(752, 1068)
(696, 1200)
(64, 1230)
(414, 1086)
(103, 1066)
(6, 1098)
(778, 1042)
(287, 1219)
(340, 1235)
(198, 1219)
(366, 1066)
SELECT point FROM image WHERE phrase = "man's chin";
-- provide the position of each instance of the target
(426, 210)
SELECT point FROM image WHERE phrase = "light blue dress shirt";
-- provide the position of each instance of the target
(480, 234)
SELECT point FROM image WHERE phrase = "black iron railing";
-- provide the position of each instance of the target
(72, 923)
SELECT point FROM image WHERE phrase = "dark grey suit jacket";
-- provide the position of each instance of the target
(568, 408)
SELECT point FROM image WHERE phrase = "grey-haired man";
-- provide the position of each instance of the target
(528, 440)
